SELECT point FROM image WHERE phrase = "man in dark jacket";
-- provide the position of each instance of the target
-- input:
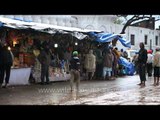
(6, 63)
(75, 70)
(45, 60)
(1, 64)
(142, 60)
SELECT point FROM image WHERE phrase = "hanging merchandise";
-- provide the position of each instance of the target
(70, 48)
(29, 59)
(30, 41)
(14, 42)
(21, 58)
(16, 62)
(36, 52)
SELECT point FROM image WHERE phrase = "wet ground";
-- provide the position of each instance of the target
(122, 91)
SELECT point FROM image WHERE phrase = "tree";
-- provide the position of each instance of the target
(135, 18)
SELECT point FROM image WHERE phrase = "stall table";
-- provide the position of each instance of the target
(19, 76)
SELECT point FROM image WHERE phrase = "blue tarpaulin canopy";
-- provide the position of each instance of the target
(103, 37)
(108, 37)
(124, 42)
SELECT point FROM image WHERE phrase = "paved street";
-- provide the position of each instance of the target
(122, 91)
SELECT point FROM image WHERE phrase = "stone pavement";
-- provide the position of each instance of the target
(122, 91)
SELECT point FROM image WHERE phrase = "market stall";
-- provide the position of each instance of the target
(21, 48)
(55, 73)
(26, 39)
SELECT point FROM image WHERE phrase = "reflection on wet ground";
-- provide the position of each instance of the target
(123, 94)
(122, 91)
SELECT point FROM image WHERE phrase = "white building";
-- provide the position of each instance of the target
(151, 38)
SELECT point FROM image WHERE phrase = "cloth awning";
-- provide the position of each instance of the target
(19, 24)
(51, 29)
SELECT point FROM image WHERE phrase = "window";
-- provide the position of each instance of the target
(132, 39)
(145, 39)
(156, 40)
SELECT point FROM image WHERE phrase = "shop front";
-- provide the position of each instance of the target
(25, 40)
(25, 46)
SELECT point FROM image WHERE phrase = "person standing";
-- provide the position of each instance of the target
(67, 57)
(1, 64)
(75, 71)
(114, 64)
(135, 62)
(6, 63)
(156, 65)
(90, 65)
(45, 60)
(107, 64)
(142, 60)
(149, 63)
(99, 62)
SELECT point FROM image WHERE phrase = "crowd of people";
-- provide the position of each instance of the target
(147, 63)
(96, 62)
(103, 64)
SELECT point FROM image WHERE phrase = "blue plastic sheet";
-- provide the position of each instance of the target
(129, 67)
(1, 24)
(108, 37)
(125, 42)
(103, 37)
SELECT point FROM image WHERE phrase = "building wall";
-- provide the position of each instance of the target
(97, 22)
